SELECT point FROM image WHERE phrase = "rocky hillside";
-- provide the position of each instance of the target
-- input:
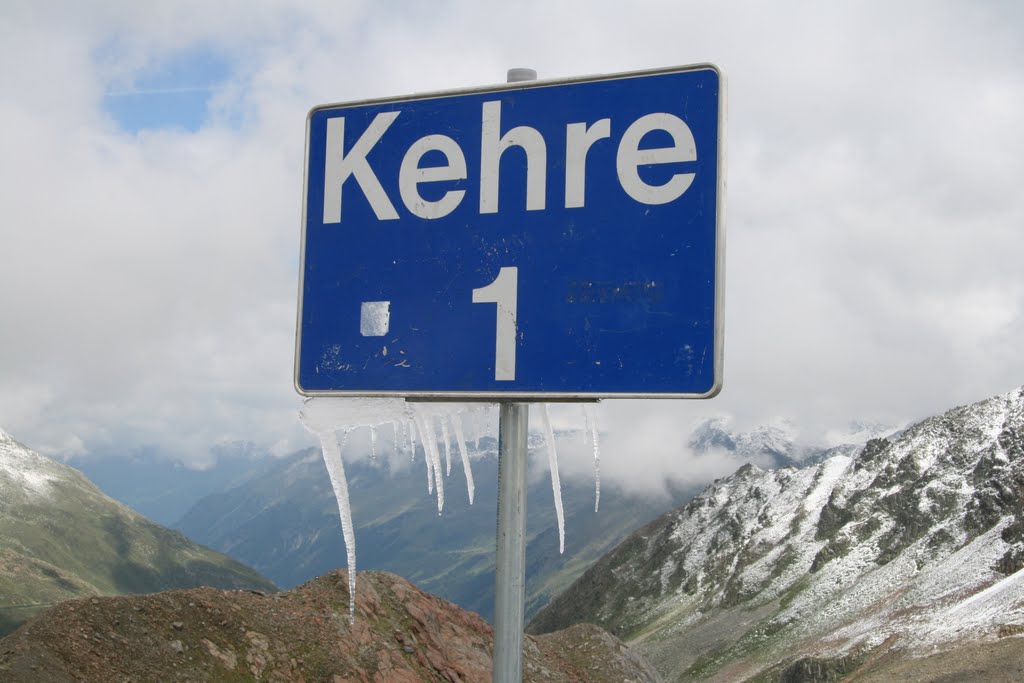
(400, 635)
(913, 546)
(60, 538)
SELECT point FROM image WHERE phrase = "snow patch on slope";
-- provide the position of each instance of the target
(829, 474)
(23, 470)
(937, 605)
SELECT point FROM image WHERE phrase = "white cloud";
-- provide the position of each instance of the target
(148, 281)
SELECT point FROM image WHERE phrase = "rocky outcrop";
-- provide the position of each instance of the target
(914, 545)
(400, 635)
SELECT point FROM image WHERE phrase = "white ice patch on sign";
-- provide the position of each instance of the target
(346, 414)
(374, 318)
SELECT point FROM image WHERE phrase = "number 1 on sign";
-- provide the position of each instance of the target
(504, 292)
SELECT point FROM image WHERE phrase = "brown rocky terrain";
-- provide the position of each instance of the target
(400, 634)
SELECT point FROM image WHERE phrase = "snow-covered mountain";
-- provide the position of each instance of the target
(913, 546)
(60, 537)
(778, 442)
(770, 445)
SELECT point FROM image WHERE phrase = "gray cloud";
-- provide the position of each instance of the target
(874, 223)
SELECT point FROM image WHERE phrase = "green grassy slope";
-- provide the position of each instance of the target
(60, 537)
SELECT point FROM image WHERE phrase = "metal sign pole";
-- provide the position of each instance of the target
(510, 560)
(510, 555)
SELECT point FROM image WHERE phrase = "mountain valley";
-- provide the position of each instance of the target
(285, 524)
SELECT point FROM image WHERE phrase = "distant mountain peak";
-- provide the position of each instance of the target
(778, 441)
(24, 471)
(715, 432)
(770, 444)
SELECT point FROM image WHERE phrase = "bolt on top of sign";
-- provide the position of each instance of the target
(547, 240)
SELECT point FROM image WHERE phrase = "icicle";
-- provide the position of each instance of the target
(407, 444)
(591, 418)
(586, 423)
(556, 484)
(373, 442)
(398, 440)
(427, 460)
(336, 471)
(430, 454)
(477, 429)
(460, 439)
(412, 440)
(446, 437)
(436, 459)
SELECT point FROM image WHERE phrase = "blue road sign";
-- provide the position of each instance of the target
(546, 240)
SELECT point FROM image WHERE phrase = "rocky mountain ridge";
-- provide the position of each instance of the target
(909, 547)
(400, 635)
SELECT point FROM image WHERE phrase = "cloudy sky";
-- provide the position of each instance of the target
(152, 170)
